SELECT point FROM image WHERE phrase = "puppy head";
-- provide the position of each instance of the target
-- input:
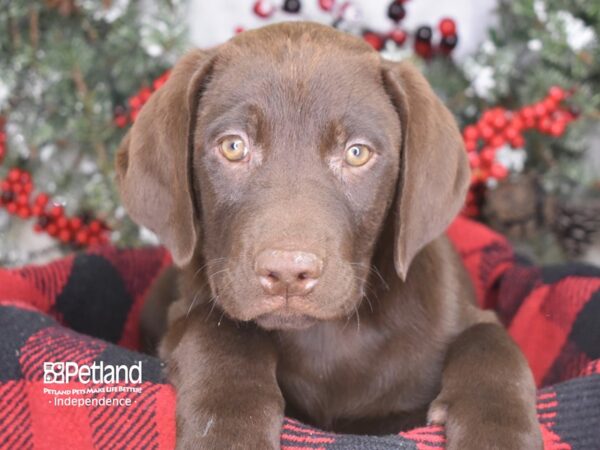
(275, 160)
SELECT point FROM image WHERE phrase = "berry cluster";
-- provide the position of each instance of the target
(17, 199)
(423, 44)
(125, 116)
(423, 37)
(498, 127)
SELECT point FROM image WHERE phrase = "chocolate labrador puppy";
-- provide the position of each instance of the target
(303, 186)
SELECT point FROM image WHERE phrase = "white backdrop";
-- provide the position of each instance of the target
(212, 22)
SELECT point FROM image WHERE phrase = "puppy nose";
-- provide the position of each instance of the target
(294, 272)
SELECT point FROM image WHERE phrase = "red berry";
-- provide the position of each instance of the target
(423, 49)
(14, 175)
(133, 115)
(135, 102)
(497, 141)
(11, 208)
(511, 132)
(161, 80)
(499, 121)
(487, 155)
(263, 8)
(121, 121)
(544, 124)
(95, 226)
(517, 142)
(75, 223)
(41, 199)
(557, 128)
(28, 187)
(527, 112)
(471, 146)
(52, 229)
(373, 39)
(471, 133)
(24, 212)
(488, 116)
(540, 110)
(37, 210)
(486, 131)
(62, 222)
(94, 240)
(529, 122)
(474, 160)
(22, 199)
(145, 94)
(398, 36)
(447, 27)
(498, 171)
(326, 5)
(517, 123)
(57, 211)
(64, 235)
(82, 237)
(550, 104)
(5, 186)
(17, 188)
(557, 93)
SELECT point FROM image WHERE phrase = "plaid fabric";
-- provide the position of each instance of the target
(85, 308)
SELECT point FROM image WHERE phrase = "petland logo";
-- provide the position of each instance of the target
(98, 372)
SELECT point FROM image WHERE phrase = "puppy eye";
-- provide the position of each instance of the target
(233, 148)
(357, 155)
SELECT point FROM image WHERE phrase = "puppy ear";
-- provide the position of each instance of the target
(434, 173)
(152, 163)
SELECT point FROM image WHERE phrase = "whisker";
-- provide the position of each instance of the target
(221, 318)
(214, 300)
(348, 317)
(210, 277)
(357, 319)
(369, 302)
(196, 296)
(373, 269)
(215, 260)
(364, 294)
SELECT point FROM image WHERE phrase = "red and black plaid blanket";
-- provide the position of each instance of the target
(84, 309)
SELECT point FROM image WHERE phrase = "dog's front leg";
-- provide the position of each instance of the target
(488, 396)
(227, 392)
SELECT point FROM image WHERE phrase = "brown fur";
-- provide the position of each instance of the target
(390, 333)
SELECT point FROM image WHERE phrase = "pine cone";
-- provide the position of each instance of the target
(518, 207)
(576, 226)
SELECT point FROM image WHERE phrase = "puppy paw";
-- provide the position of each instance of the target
(437, 413)
(210, 432)
(477, 426)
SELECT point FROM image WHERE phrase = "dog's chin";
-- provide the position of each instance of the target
(284, 320)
